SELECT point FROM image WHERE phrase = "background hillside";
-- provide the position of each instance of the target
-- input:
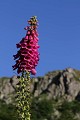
(55, 96)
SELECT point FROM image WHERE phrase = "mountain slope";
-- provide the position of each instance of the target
(55, 96)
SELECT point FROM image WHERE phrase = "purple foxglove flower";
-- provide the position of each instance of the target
(28, 56)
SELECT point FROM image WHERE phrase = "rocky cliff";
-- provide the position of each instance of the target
(57, 85)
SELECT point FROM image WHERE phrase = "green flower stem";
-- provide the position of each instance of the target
(24, 96)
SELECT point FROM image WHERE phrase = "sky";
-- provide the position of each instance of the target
(59, 33)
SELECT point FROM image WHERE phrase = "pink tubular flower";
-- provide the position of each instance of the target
(28, 56)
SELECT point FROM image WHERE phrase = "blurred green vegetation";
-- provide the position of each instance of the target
(43, 110)
(69, 110)
(7, 112)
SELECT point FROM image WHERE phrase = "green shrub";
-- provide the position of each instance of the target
(41, 109)
(7, 112)
(68, 110)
